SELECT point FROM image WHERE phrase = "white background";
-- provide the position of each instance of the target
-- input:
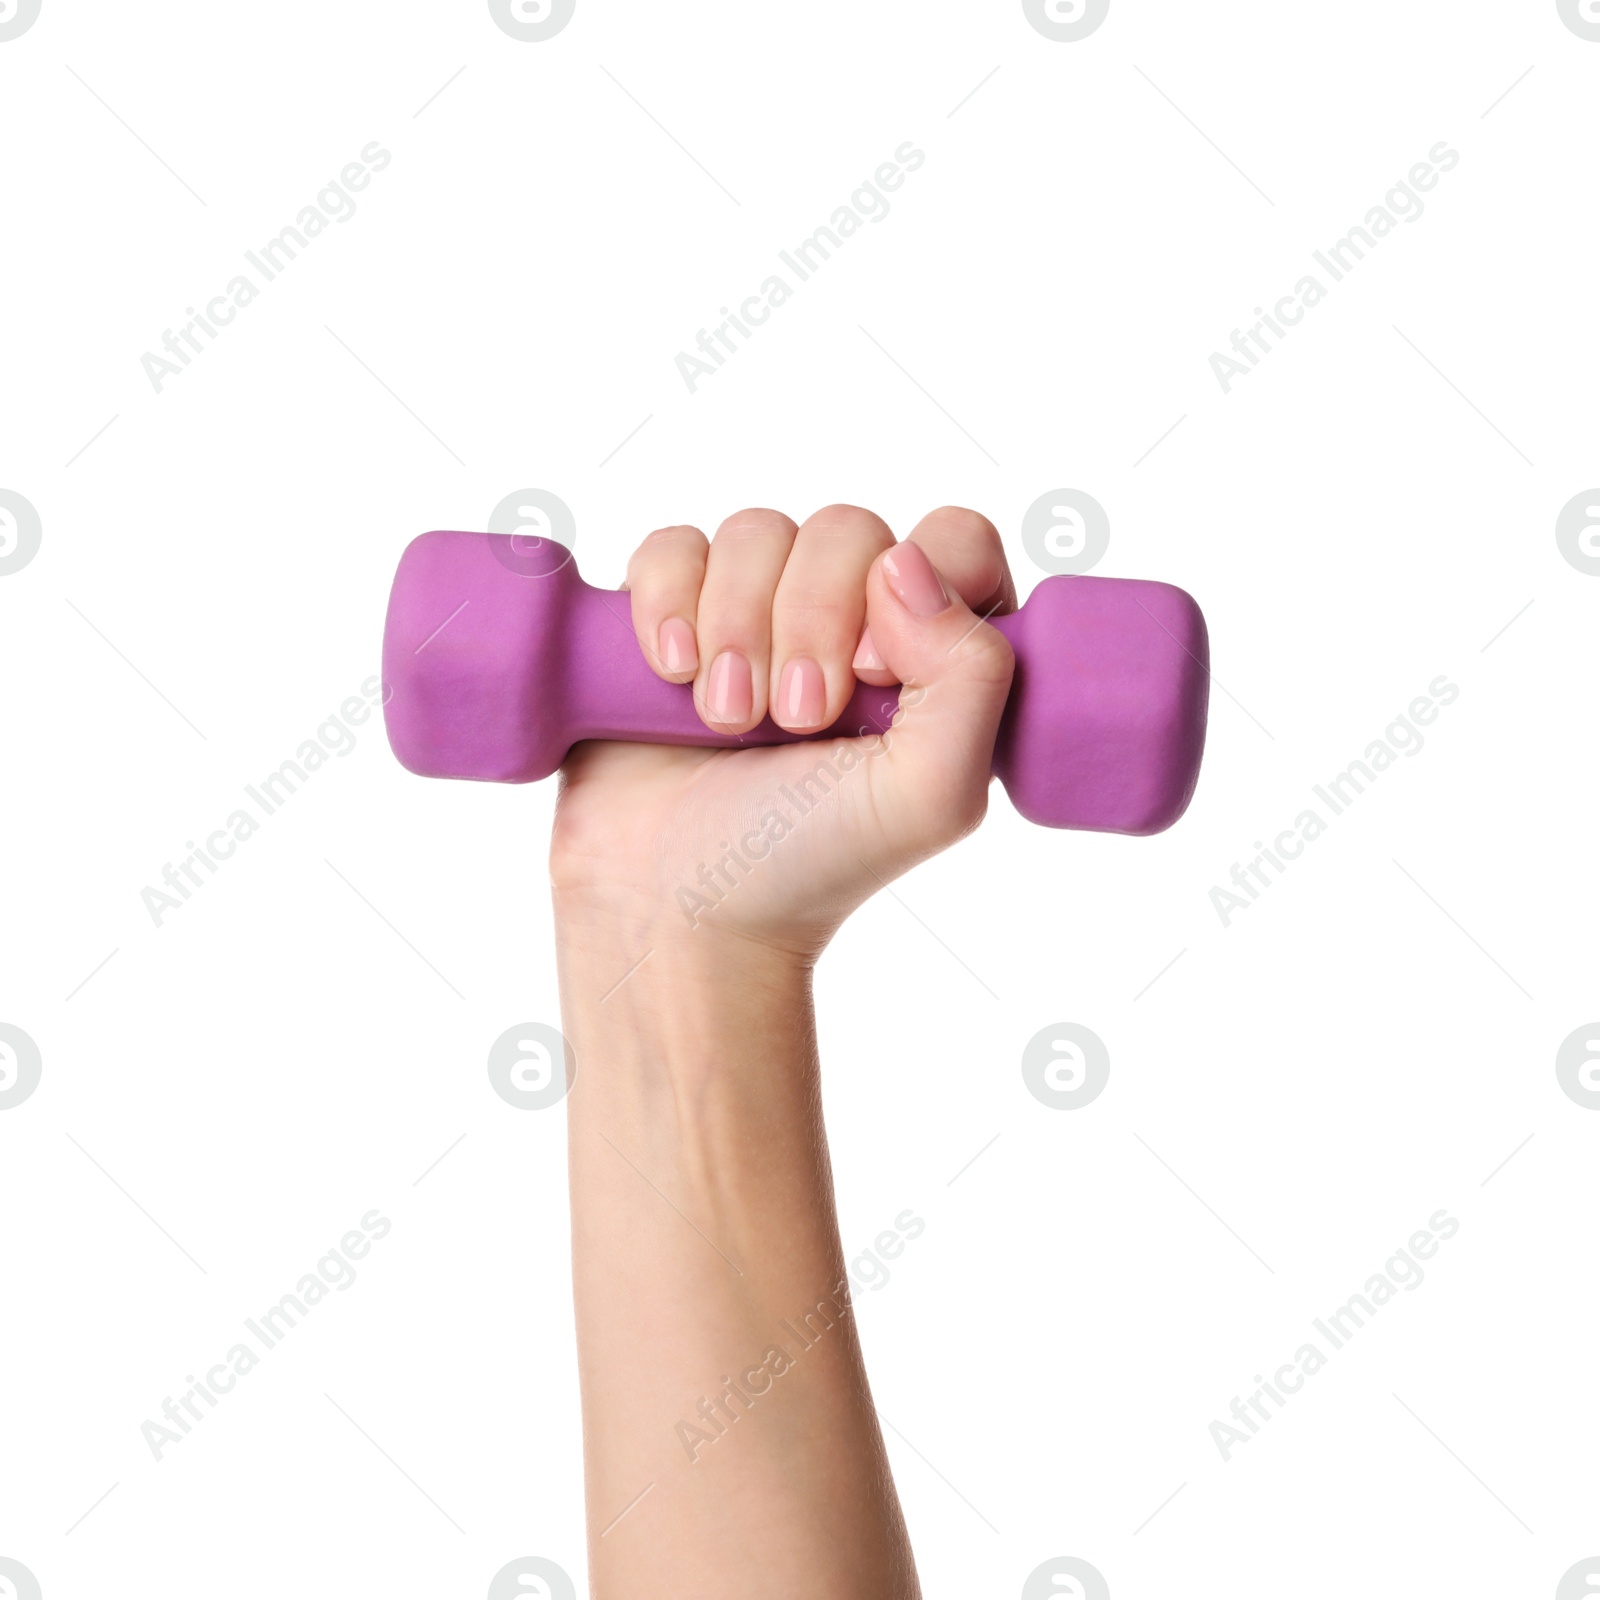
(1289, 1100)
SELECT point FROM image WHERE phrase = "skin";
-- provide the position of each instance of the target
(703, 1220)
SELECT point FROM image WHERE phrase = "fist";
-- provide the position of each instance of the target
(772, 619)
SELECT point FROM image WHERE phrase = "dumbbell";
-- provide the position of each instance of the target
(498, 658)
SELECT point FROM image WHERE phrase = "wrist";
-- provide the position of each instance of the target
(641, 996)
(618, 931)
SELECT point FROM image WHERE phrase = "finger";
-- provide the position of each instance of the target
(734, 620)
(965, 546)
(966, 549)
(664, 578)
(957, 672)
(818, 614)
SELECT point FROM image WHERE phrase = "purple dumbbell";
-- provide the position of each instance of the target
(498, 658)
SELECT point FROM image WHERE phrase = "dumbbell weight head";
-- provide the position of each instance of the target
(1106, 722)
(498, 657)
(474, 656)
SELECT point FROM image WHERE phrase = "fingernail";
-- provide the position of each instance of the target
(677, 646)
(728, 688)
(867, 658)
(802, 694)
(915, 584)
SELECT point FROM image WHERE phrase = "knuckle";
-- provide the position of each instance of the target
(731, 625)
(842, 521)
(969, 549)
(986, 653)
(675, 538)
(757, 523)
(820, 623)
(970, 528)
(663, 548)
(964, 520)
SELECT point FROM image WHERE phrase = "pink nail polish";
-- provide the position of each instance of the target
(677, 646)
(913, 581)
(867, 658)
(802, 695)
(728, 689)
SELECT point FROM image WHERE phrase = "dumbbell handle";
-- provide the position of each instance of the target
(498, 658)
(620, 697)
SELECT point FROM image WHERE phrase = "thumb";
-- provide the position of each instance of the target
(931, 786)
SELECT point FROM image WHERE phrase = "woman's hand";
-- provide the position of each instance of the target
(731, 1446)
(779, 844)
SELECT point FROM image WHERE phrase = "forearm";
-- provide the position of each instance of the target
(717, 1352)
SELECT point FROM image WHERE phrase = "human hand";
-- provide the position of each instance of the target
(779, 844)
